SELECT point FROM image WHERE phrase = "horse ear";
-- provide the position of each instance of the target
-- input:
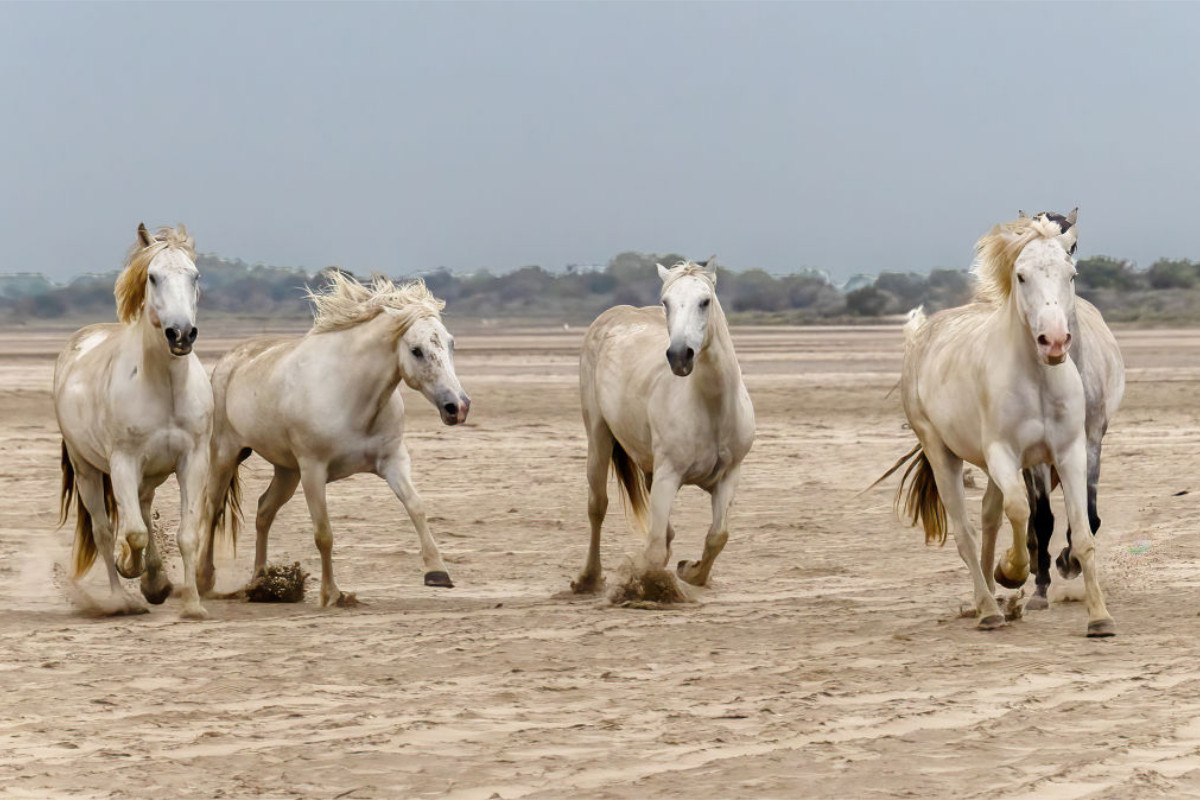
(1073, 216)
(663, 272)
(1022, 215)
(711, 264)
(144, 235)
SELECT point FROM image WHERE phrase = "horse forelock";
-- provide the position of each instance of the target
(345, 302)
(683, 269)
(130, 289)
(996, 254)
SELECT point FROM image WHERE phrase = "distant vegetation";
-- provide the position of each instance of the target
(1167, 291)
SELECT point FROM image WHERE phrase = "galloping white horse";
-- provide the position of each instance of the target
(664, 422)
(991, 383)
(327, 406)
(134, 405)
(1098, 358)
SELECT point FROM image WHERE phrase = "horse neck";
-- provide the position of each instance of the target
(369, 349)
(156, 355)
(1011, 326)
(717, 364)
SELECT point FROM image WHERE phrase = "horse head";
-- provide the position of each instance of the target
(688, 293)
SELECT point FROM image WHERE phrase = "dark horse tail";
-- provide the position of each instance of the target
(632, 483)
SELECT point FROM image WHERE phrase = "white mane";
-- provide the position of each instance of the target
(345, 302)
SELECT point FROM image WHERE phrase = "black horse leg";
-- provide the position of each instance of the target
(1041, 528)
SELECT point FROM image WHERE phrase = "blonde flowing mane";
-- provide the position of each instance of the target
(996, 255)
(345, 302)
(130, 289)
(682, 269)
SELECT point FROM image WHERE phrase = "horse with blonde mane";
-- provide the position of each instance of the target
(135, 405)
(1098, 358)
(991, 383)
(326, 406)
(664, 422)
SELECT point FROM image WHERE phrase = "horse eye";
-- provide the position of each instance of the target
(666, 306)
(418, 353)
(704, 303)
(153, 281)
(1020, 277)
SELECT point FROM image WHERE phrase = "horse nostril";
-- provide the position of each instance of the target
(192, 336)
(1043, 341)
(1067, 340)
(172, 335)
(451, 409)
(690, 354)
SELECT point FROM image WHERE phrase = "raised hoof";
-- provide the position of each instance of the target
(439, 578)
(1102, 628)
(346, 600)
(1068, 565)
(992, 622)
(687, 571)
(1037, 603)
(587, 584)
(157, 597)
(1007, 582)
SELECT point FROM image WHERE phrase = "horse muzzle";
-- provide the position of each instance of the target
(454, 409)
(681, 359)
(1053, 349)
(180, 338)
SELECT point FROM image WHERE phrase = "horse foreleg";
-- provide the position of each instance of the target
(1072, 472)
(132, 534)
(192, 474)
(283, 486)
(397, 472)
(662, 494)
(90, 484)
(1005, 470)
(697, 572)
(993, 515)
(312, 477)
(156, 586)
(600, 448)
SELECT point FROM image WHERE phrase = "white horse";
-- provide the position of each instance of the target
(327, 405)
(991, 383)
(134, 405)
(1097, 356)
(664, 422)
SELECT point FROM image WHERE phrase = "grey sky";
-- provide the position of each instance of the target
(398, 137)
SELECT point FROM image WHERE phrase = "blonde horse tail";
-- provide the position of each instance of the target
(631, 482)
(922, 501)
(227, 516)
(83, 552)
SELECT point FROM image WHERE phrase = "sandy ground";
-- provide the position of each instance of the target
(828, 659)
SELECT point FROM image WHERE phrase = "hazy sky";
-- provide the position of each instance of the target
(399, 137)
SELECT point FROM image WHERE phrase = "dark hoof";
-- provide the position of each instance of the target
(1037, 603)
(439, 578)
(1068, 565)
(1007, 582)
(157, 597)
(1102, 629)
(992, 622)
(587, 584)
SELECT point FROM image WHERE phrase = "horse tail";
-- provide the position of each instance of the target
(631, 482)
(83, 552)
(227, 516)
(922, 501)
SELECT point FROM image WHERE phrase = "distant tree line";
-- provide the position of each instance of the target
(1169, 289)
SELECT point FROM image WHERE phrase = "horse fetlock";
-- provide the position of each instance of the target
(588, 583)
(692, 572)
(1010, 575)
(1068, 565)
(131, 562)
(156, 586)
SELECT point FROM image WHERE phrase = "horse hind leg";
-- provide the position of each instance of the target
(278, 493)
(155, 584)
(600, 450)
